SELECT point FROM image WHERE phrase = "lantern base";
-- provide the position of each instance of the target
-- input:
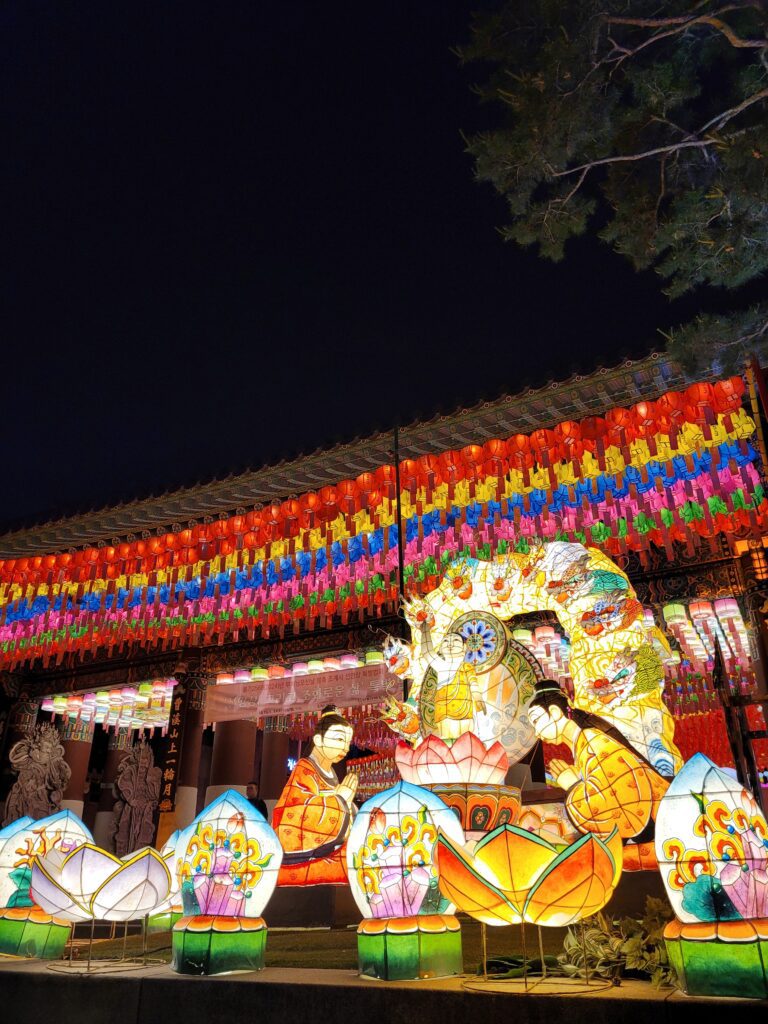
(727, 958)
(163, 922)
(408, 948)
(30, 932)
(218, 945)
(480, 807)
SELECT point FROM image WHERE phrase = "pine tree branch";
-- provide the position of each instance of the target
(726, 116)
(630, 157)
(677, 25)
(683, 22)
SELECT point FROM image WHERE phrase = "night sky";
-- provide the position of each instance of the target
(233, 232)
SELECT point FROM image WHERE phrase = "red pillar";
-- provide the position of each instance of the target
(191, 745)
(274, 766)
(234, 747)
(77, 739)
(120, 742)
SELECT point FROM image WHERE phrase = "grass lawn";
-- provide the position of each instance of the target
(337, 947)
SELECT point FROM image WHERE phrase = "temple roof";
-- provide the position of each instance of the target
(579, 396)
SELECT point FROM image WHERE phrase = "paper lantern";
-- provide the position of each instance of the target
(314, 812)
(92, 884)
(469, 675)
(26, 927)
(228, 861)
(467, 777)
(712, 848)
(409, 930)
(513, 875)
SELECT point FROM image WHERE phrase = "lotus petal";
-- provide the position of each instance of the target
(577, 883)
(433, 762)
(404, 761)
(468, 888)
(85, 869)
(48, 894)
(515, 857)
(138, 887)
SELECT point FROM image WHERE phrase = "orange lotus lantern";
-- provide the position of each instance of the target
(514, 875)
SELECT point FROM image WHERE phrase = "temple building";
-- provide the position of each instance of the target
(215, 622)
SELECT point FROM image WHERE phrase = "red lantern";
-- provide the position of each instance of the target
(519, 451)
(568, 434)
(728, 394)
(544, 446)
(366, 483)
(644, 415)
(672, 407)
(451, 466)
(701, 397)
(593, 432)
(430, 470)
(329, 504)
(309, 504)
(291, 512)
(385, 479)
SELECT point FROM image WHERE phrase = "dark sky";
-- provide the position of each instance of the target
(235, 231)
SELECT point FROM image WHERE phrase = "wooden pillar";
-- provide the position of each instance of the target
(274, 766)
(196, 684)
(234, 746)
(77, 740)
(120, 742)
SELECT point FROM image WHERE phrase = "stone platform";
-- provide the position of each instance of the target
(155, 995)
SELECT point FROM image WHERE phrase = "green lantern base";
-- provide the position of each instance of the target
(29, 932)
(217, 945)
(728, 958)
(163, 922)
(407, 948)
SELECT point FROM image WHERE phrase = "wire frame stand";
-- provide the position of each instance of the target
(543, 983)
(107, 965)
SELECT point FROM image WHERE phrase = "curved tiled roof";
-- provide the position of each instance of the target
(575, 398)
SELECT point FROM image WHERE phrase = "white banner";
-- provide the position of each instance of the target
(290, 695)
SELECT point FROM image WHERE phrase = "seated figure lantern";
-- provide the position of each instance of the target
(610, 785)
(712, 848)
(228, 860)
(314, 813)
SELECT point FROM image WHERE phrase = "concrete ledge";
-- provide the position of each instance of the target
(155, 995)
